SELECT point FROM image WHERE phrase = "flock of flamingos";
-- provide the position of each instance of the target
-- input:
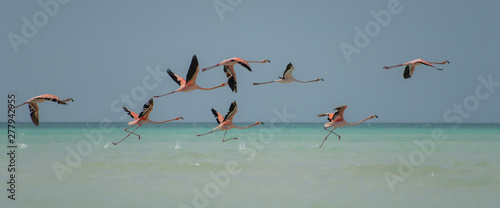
(336, 119)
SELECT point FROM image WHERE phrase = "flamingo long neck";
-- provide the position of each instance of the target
(307, 81)
(236, 127)
(352, 124)
(201, 88)
(208, 68)
(159, 122)
(263, 61)
(443, 62)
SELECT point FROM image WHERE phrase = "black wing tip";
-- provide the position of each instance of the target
(216, 114)
(246, 66)
(194, 59)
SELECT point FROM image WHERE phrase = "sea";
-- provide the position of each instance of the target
(270, 165)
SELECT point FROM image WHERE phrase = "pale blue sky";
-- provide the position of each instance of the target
(97, 51)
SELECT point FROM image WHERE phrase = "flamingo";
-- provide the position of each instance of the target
(188, 84)
(141, 119)
(33, 106)
(410, 66)
(226, 123)
(337, 120)
(236, 60)
(288, 78)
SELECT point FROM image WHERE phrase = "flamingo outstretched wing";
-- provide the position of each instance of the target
(242, 62)
(179, 80)
(131, 113)
(233, 109)
(193, 69)
(231, 77)
(146, 109)
(330, 116)
(339, 114)
(34, 113)
(218, 117)
(288, 71)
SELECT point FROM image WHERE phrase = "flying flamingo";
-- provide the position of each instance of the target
(337, 120)
(141, 119)
(188, 84)
(236, 60)
(288, 78)
(410, 66)
(226, 123)
(32, 103)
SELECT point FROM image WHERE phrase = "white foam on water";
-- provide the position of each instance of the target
(242, 146)
(107, 145)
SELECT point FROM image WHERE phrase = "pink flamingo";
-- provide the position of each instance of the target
(236, 60)
(188, 84)
(337, 120)
(226, 123)
(288, 78)
(410, 66)
(33, 106)
(141, 119)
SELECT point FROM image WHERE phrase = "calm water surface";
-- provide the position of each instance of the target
(273, 165)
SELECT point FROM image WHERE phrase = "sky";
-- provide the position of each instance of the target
(106, 54)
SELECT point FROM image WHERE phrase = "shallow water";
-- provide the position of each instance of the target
(268, 166)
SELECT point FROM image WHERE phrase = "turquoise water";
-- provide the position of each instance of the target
(273, 165)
